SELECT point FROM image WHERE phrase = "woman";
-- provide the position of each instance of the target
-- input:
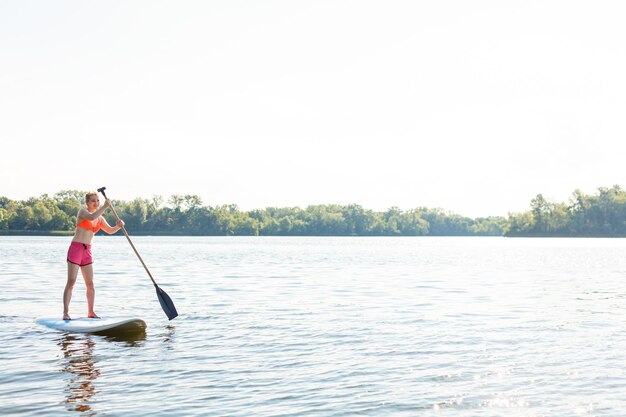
(90, 220)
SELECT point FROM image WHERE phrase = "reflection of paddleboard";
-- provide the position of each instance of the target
(85, 325)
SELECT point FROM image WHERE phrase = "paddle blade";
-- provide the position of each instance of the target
(166, 303)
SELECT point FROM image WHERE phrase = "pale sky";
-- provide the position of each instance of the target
(471, 106)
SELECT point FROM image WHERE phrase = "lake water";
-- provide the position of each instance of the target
(322, 327)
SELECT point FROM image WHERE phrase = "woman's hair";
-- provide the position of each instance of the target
(89, 195)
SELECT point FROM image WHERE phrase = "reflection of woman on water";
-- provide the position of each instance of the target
(78, 353)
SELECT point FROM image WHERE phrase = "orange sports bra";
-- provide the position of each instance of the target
(87, 224)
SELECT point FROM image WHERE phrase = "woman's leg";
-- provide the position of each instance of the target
(72, 273)
(87, 272)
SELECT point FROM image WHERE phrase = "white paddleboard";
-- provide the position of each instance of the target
(85, 325)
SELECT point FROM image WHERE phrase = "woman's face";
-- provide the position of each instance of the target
(93, 203)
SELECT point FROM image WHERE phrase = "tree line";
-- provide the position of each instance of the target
(602, 214)
(599, 215)
(186, 215)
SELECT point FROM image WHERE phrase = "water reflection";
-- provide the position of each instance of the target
(80, 362)
(78, 351)
(130, 339)
(168, 337)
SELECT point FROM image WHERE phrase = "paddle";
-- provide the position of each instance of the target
(166, 302)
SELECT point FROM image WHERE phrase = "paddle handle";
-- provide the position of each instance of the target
(128, 238)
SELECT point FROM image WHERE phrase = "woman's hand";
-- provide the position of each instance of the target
(119, 223)
(107, 203)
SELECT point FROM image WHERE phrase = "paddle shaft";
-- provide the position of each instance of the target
(131, 242)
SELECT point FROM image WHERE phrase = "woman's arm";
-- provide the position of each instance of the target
(111, 229)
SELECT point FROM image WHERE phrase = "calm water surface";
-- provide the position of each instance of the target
(322, 327)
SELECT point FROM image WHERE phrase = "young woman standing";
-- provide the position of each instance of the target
(89, 221)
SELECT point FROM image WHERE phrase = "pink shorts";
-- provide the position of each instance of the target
(79, 254)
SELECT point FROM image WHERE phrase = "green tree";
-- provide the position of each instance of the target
(488, 226)
(4, 218)
(410, 223)
(520, 224)
(540, 209)
(392, 221)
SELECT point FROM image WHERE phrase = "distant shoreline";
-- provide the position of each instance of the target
(62, 233)
(599, 215)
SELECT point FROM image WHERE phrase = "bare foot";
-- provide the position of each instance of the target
(93, 316)
(66, 317)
